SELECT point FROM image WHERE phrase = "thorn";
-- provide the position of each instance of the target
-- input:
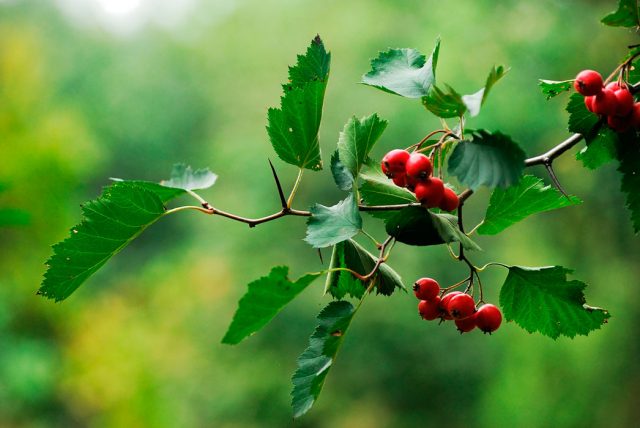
(320, 255)
(283, 200)
(555, 180)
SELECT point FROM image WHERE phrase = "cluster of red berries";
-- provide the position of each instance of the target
(413, 171)
(456, 306)
(614, 101)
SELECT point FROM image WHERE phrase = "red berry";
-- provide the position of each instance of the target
(620, 123)
(488, 318)
(399, 179)
(444, 303)
(461, 306)
(624, 102)
(430, 192)
(635, 116)
(588, 101)
(449, 200)
(429, 309)
(614, 86)
(426, 289)
(605, 102)
(419, 166)
(466, 325)
(394, 162)
(588, 82)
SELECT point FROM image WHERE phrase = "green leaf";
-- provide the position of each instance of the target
(293, 128)
(404, 72)
(474, 101)
(264, 299)
(357, 139)
(341, 175)
(489, 159)
(541, 300)
(330, 225)
(123, 211)
(419, 226)
(377, 189)
(444, 104)
(629, 167)
(10, 217)
(625, 16)
(183, 177)
(529, 196)
(317, 359)
(551, 88)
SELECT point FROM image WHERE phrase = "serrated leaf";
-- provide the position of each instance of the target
(551, 88)
(629, 167)
(475, 101)
(341, 283)
(487, 159)
(183, 177)
(123, 211)
(377, 189)
(10, 217)
(626, 15)
(330, 225)
(444, 104)
(511, 205)
(341, 175)
(264, 299)
(541, 300)
(404, 72)
(418, 226)
(293, 128)
(317, 359)
(357, 139)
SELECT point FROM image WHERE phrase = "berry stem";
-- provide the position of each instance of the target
(295, 187)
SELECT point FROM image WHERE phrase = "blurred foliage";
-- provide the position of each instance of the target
(82, 99)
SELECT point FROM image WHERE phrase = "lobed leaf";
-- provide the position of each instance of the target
(357, 139)
(551, 88)
(511, 205)
(626, 15)
(183, 177)
(541, 300)
(444, 104)
(330, 225)
(264, 299)
(475, 101)
(341, 175)
(377, 189)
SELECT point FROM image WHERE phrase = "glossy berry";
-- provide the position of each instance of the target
(588, 82)
(614, 86)
(426, 289)
(488, 318)
(394, 162)
(419, 166)
(429, 309)
(449, 200)
(444, 303)
(399, 179)
(619, 123)
(430, 192)
(624, 102)
(588, 102)
(461, 306)
(635, 116)
(466, 325)
(605, 102)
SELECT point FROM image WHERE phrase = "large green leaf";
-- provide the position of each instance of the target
(529, 196)
(490, 159)
(551, 88)
(629, 158)
(264, 299)
(330, 225)
(183, 177)
(317, 359)
(293, 128)
(357, 139)
(341, 175)
(404, 72)
(475, 101)
(419, 226)
(377, 189)
(541, 300)
(626, 15)
(444, 103)
(123, 211)
(341, 283)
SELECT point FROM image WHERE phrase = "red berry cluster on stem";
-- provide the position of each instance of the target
(614, 101)
(457, 306)
(414, 171)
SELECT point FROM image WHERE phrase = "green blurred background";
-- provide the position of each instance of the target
(91, 89)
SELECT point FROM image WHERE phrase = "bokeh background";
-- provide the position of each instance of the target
(91, 89)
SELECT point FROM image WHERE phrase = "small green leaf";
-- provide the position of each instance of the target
(293, 128)
(511, 205)
(551, 88)
(444, 104)
(489, 159)
(474, 101)
(357, 139)
(330, 225)
(264, 299)
(10, 217)
(541, 300)
(317, 359)
(419, 226)
(404, 72)
(377, 189)
(183, 177)
(625, 16)
(341, 175)
(629, 167)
